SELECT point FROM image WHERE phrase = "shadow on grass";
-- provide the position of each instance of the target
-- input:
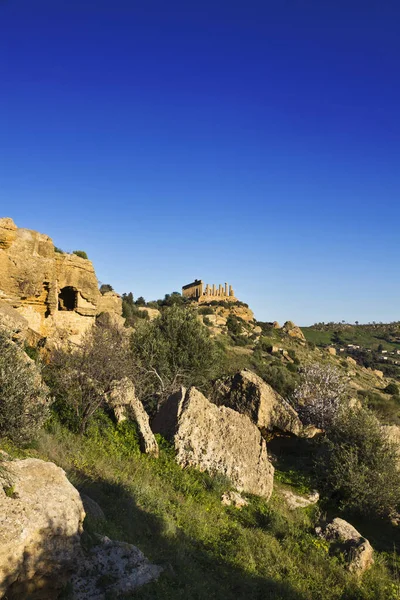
(191, 571)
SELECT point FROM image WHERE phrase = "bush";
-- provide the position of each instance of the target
(80, 379)
(359, 465)
(106, 287)
(173, 350)
(24, 399)
(206, 310)
(392, 389)
(234, 325)
(81, 254)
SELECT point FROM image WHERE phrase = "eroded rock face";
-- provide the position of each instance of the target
(293, 331)
(41, 516)
(248, 394)
(56, 293)
(357, 549)
(218, 439)
(125, 403)
(112, 569)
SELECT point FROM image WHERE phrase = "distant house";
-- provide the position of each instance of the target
(384, 351)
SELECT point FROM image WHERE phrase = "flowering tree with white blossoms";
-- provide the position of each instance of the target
(319, 395)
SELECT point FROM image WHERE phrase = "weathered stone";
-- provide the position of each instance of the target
(351, 361)
(296, 501)
(125, 403)
(41, 520)
(234, 499)
(220, 440)
(357, 549)
(293, 331)
(92, 509)
(13, 321)
(331, 350)
(166, 420)
(250, 395)
(112, 569)
(153, 313)
(56, 293)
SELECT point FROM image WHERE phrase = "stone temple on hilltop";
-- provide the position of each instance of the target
(207, 293)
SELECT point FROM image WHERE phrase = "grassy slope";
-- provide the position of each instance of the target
(209, 551)
(359, 335)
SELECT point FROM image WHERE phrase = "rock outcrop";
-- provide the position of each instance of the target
(55, 292)
(293, 331)
(250, 395)
(112, 569)
(218, 439)
(122, 398)
(41, 516)
(347, 539)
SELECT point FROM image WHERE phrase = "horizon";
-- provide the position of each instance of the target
(255, 144)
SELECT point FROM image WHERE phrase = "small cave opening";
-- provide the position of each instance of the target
(67, 298)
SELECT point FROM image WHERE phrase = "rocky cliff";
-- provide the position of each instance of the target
(55, 293)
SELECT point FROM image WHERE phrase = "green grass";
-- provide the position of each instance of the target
(208, 551)
(360, 335)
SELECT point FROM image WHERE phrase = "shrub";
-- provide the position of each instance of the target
(319, 395)
(234, 325)
(392, 389)
(58, 250)
(106, 287)
(173, 350)
(206, 310)
(81, 254)
(24, 399)
(80, 379)
(359, 465)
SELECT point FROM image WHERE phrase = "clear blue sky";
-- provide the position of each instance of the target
(254, 142)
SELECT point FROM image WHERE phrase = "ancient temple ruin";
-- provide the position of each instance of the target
(50, 294)
(207, 293)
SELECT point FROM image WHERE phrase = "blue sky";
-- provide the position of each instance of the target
(253, 142)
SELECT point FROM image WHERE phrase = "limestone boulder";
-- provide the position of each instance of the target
(234, 499)
(250, 395)
(218, 439)
(122, 397)
(112, 569)
(41, 516)
(295, 501)
(346, 538)
(293, 331)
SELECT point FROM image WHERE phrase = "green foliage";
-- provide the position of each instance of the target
(24, 399)
(234, 324)
(81, 378)
(358, 465)
(106, 287)
(131, 312)
(209, 551)
(205, 310)
(81, 254)
(58, 250)
(392, 389)
(276, 374)
(175, 349)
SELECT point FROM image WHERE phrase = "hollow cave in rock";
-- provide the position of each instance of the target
(67, 298)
